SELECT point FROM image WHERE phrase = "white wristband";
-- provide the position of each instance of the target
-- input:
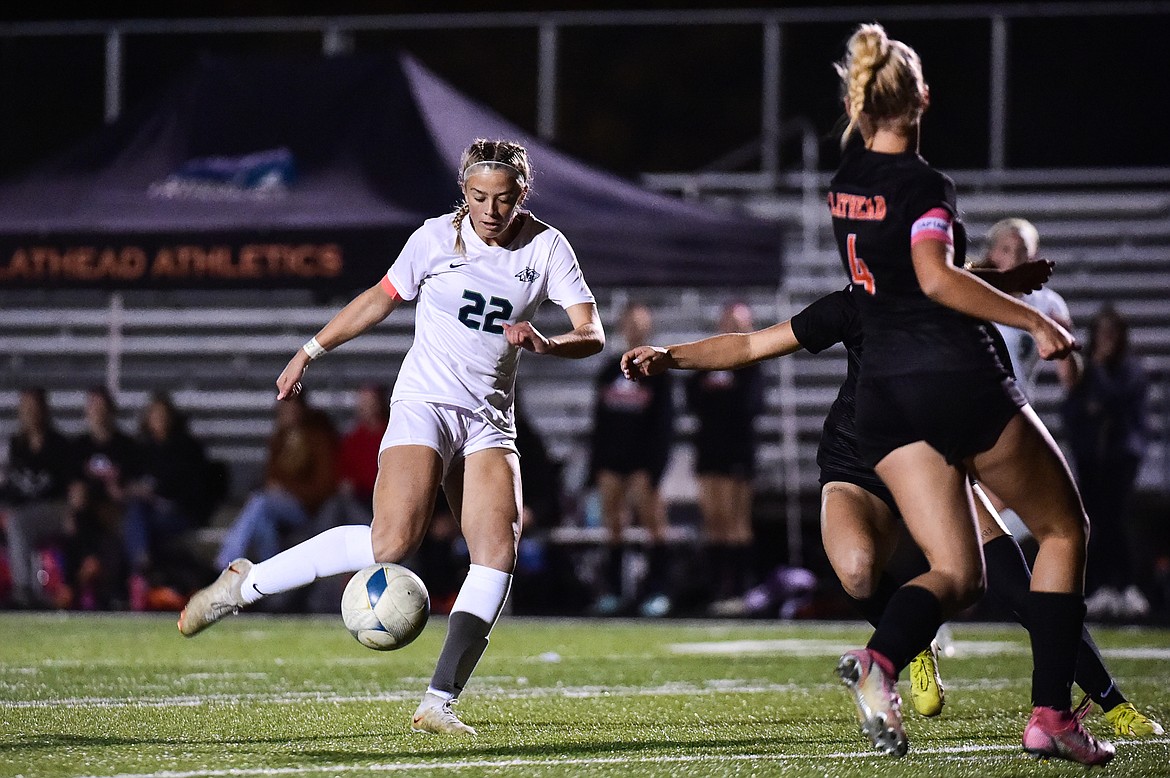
(313, 349)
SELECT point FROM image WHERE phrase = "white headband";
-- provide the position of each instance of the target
(491, 164)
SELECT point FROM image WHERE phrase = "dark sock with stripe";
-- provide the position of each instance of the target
(1056, 622)
(1093, 676)
(909, 623)
(872, 607)
(467, 639)
(1009, 580)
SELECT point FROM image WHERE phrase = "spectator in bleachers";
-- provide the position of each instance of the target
(633, 432)
(353, 503)
(1106, 424)
(173, 492)
(300, 476)
(358, 453)
(32, 492)
(108, 459)
(726, 403)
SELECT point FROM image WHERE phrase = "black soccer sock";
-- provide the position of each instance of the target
(909, 623)
(1008, 576)
(1008, 581)
(467, 639)
(872, 607)
(1093, 677)
(1056, 622)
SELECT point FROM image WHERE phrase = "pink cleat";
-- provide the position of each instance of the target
(1058, 734)
(879, 708)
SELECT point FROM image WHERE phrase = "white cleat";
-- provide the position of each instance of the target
(434, 715)
(212, 603)
(879, 708)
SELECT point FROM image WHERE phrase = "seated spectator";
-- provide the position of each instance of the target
(171, 494)
(357, 470)
(32, 495)
(300, 476)
(107, 460)
(358, 453)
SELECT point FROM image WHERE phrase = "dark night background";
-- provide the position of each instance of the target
(1084, 91)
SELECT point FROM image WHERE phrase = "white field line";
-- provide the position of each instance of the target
(399, 695)
(722, 686)
(525, 764)
(775, 646)
(819, 647)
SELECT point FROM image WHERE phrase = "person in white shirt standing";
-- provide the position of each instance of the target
(477, 277)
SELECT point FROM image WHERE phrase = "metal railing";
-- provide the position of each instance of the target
(337, 32)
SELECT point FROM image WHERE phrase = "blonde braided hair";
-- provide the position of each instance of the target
(882, 79)
(508, 156)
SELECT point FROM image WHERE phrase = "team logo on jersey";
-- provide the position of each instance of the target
(528, 275)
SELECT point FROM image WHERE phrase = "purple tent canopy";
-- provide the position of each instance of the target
(262, 172)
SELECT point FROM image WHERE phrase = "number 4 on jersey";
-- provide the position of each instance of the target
(857, 267)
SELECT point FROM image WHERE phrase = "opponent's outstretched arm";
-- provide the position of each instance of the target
(718, 352)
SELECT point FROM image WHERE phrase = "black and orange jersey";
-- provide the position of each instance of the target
(830, 320)
(881, 203)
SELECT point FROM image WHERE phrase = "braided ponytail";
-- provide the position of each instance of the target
(457, 223)
(882, 78)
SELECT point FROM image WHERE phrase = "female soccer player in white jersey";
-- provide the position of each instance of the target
(478, 276)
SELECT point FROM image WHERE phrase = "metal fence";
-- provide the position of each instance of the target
(776, 31)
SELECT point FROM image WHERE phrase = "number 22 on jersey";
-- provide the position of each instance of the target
(858, 271)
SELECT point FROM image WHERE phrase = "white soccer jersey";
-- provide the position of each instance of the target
(460, 355)
(1020, 344)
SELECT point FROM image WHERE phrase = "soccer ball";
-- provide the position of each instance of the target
(385, 606)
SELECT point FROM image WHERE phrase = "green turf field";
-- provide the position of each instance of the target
(261, 696)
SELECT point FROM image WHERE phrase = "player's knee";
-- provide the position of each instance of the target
(858, 576)
(1072, 529)
(969, 587)
(393, 545)
(497, 553)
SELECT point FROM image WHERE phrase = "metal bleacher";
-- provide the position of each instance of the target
(219, 353)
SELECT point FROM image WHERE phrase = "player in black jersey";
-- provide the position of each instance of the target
(935, 406)
(858, 513)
